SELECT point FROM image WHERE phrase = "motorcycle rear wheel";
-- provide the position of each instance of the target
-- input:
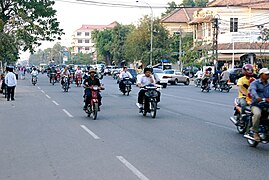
(252, 143)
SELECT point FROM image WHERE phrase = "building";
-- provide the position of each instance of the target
(230, 29)
(82, 41)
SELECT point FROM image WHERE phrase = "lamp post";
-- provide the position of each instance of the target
(151, 30)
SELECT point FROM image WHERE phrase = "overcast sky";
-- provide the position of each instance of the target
(72, 14)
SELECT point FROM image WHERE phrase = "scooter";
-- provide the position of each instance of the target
(93, 104)
(34, 80)
(128, 86)
(65, 84)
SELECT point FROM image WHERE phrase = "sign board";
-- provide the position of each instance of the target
(164, 60)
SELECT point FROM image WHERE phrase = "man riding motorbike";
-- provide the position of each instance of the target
(224, 76)
(243, 85)
(146, 79)
(52, 72)
(65, 72)
(91, 80)
(34, 73)
(259, 90)
(78, 74)
(124, 74)
(207, 78)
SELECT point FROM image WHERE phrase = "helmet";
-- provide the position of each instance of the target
(248, 70)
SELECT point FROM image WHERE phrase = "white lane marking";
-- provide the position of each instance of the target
(55, 103)
(191, 99)
(67, 113)
(38, 87)
(132, 168)
(48, 96)
(43, 91)
(218, 125)
(90, 132)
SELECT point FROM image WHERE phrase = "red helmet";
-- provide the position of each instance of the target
(248, 70)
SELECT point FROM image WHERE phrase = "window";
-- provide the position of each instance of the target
(79, 41)
(87, 48)
(78, 33)
(87, 41)
(87, 34)
(233, 24)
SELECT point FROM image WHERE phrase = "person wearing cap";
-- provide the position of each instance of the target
(91, 80)
(146, 79)
(11, 82)
(259, 90)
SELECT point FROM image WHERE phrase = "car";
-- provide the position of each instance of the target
(190, 71)
(158, 75)
(235, 74)
(175, 77)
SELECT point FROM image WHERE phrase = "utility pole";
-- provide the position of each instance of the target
(180, 51)
(215, 41)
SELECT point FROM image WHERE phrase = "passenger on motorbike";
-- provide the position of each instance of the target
(34, 73)
(207, 77)
(52, 72)
(146, 79)
(243, 85)
(91, 80)
(259, 90)
(124, 74)
(65, 72)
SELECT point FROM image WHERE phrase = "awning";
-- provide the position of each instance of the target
(229, 57)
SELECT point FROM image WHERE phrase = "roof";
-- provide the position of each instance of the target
(183, 15)
(259, 4)
(85, 27)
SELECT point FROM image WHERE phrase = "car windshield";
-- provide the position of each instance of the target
(169, 72)
(157, 71)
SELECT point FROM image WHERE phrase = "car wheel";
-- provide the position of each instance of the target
(187, 82)
(175, 82)
(191, 75)
(164, 85)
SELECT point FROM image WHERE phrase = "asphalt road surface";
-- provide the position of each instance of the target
(45, 135)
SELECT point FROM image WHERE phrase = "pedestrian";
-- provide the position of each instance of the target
(11, 82)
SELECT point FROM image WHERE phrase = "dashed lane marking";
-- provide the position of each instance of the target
(67, 113)
(89, 131)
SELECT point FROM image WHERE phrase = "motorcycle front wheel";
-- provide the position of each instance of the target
(252, 143)
(94, 111)
(153, 108)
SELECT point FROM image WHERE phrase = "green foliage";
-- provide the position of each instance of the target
(171, 7)
(9, 52)
(29, 22)
(188, 3)
(201, 3)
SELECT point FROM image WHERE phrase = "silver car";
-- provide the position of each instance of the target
(175, 77)
(158, 75)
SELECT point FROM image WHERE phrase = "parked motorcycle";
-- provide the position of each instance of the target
(239, 119)
(128, 86)
(263, 127)
(65, 84)
(93, 104)
(150, 101)
(34, 80)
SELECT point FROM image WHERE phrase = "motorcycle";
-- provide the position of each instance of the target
(150, 101)
(222, 86)
(78, 80)
(263, 128)
(65, 83)
(206, 86)
(127, 83)
(53, 78)
(239, 119)
(197, 82)
(93, 104)
(34, 80)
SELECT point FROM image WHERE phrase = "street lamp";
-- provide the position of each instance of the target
(151, 30)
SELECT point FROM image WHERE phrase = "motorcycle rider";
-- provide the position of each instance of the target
(52, 72)
(224, 76)
(78, 73)
(243, 85)
(207, 77)
(91, 80)
(34, 73)
(124, 74)
(259, 90)
(146, 79)
(199, 74)
(65, 72)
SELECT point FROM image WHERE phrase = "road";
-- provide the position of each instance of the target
(45, 134)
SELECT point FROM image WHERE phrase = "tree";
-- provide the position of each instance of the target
(29, 22)
(8, 50)
(201, 3)
(171, 7)
(188, 3)
(264, 38)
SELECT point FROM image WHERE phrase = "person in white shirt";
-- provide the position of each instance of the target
(146, 79)
(78, 74)
(124, 74)
(34, 73)
(11, 82)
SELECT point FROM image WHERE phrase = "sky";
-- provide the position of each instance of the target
(73, 13)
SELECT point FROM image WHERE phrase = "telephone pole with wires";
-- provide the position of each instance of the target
(215, 41)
